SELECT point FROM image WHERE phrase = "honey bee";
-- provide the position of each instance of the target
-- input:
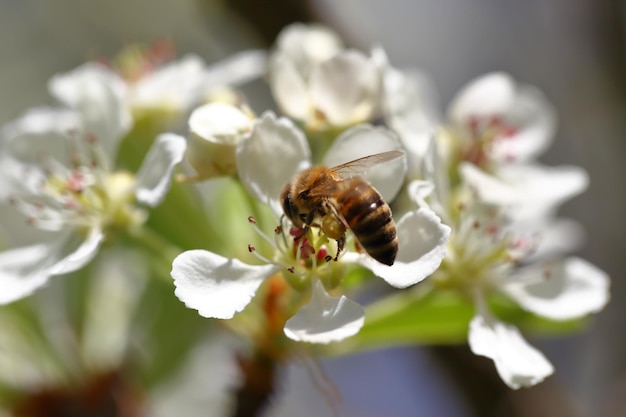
(339, 199)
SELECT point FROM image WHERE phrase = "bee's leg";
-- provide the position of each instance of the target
(340, 245)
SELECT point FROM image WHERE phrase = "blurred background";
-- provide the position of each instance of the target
(574, 50)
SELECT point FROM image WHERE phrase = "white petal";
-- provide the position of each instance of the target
(434, 169)
(237, 69)
(155, 175)
(76, 251)
(411, 108)
(543, 188)
(492, 94)
(25, 269)
(289, 88)
(219, 122)
(422, 240)
(176, 85)
(562, 290)
(364, 140)
(419, 191)
(489, 189)
(307, 45)
(216, 286)
(40, 132)
(22, 272)
(347, 88)
(270, 156)
(518, 363)
(534, 119)
(99, 94)
(530, 190)
(325, 319)
(548, 237)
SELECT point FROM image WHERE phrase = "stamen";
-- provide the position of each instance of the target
(272, 242)
(253, 251)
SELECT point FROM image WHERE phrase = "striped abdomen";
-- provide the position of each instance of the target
(369, 218)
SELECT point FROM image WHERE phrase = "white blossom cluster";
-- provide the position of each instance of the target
(480, 217)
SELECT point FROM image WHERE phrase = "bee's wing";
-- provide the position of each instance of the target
(360, 166)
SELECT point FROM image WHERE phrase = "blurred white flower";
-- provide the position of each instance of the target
(501, 121)
(315, 81)
(484, 256)
(64, 180)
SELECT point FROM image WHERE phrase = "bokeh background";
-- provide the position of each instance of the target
(574, 50)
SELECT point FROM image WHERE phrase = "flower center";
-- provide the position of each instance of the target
(82, 193)
(484, 133)
(137, 61)
(479, 252)
(304, 253)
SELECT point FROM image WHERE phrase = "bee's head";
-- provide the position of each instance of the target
(289, 208)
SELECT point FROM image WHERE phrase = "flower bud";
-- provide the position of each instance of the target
(215, 131)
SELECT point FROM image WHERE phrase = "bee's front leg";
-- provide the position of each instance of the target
(340, 245)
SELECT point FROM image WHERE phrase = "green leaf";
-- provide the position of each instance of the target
(422, 315)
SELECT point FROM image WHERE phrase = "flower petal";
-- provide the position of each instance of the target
(176, 85)
(76, 251)
(490, 189)
(40, 132)
(21, 272)
(237, 69)
(289, 88)
(422, 240)
(99, 94)
(541, 188)
(365, 140)
(347, 88)
(25, 269)
(269, 157)
(307, 45)
(530, 190)
(534, 120)
(219, 122)
(325, 319)
(155, 175)
(411, 108)
(518, 363)
(492, 94)
(562, 290)
(216, 286)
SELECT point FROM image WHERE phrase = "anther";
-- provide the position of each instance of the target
(251, 248)
(328, 258)
(291, 269)
(251, 220)
(278, 230)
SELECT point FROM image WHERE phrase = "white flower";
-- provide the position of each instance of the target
(501, 121)
(64, 181)
(484, 254)
(315, 81)
(220, 287)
